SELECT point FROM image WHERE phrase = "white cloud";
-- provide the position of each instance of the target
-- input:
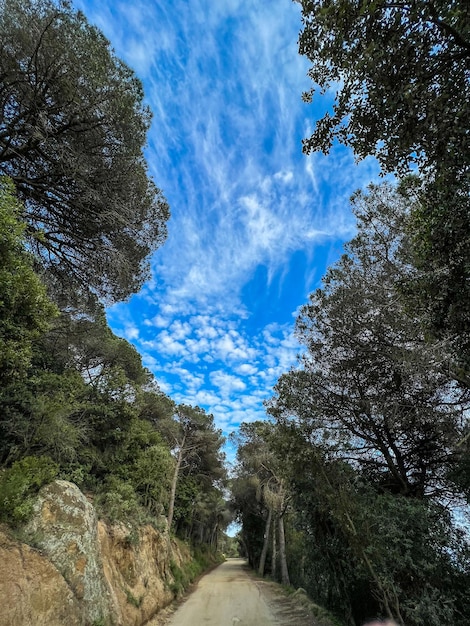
(180, 330)
(246, 369)
(168, 345)
(224, 81)
(284, 176)
(158, 321)
(131, 332)
(226, 383)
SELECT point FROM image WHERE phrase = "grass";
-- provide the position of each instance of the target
(201, 561)
(132, 599)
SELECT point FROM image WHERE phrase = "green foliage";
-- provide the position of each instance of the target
(400, 70)
(20, 483)
(151, 473)
(372, 436)
(65, 93)
(371, 388)
(365, 552)
(202, 558)
(87, 402)
(196, 504)
(136, 602)
(401, 75)
(38, 415)
(250, 514)
(133, 538)
(229, 546)
(25, 311)
(180, 580)
(259, 469)
(322, 616)
(118, 501)
(440, 290)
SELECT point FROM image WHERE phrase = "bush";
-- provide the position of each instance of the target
(118, 502)
(20, 483)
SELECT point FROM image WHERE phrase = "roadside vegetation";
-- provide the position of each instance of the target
(357, 487)
(79, 218)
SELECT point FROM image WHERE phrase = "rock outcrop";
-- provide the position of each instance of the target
(32, 590)
(65, 529)
(83, 572)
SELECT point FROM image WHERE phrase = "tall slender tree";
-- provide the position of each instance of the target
(197, 447)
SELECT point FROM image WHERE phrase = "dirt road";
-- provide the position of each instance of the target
(229, 596)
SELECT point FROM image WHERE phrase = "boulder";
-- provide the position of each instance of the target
(65, 528)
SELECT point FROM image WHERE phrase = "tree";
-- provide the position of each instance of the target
(84, 342)
(72, 130)
(373, 422)
(40, 415)
(259, 467)
(145, 460)
(197, 445)
(250, 512)
(371, 389)
(364, 552)
(440, 291)
(25, 310)
(400, 71)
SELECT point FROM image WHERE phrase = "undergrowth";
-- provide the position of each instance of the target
(202, 559)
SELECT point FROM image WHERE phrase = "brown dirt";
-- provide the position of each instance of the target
(231, 594)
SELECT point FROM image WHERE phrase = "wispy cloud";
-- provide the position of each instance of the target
(224, 81)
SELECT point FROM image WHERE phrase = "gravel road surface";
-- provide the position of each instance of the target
(231, 596)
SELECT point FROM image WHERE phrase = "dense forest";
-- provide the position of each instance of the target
(357, 484)
(79, 218)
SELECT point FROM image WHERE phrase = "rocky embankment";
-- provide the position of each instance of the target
(81, 571)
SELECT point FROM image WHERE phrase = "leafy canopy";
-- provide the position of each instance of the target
(72, 129)
(25, 310)
(400, 70)
(371, 389)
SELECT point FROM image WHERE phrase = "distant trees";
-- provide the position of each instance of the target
(72, 130)
(199, 471)
(261, 498)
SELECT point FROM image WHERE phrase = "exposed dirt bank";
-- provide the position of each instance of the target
(78, 571)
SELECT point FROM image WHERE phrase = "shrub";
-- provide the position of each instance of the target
(118, 501)
(20, 483)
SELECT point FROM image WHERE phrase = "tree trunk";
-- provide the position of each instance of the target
(264, 552)
(274, 554)
(215, 536)
(282, 552)
(171, 505)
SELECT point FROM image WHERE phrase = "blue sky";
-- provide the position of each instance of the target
(254, 222)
